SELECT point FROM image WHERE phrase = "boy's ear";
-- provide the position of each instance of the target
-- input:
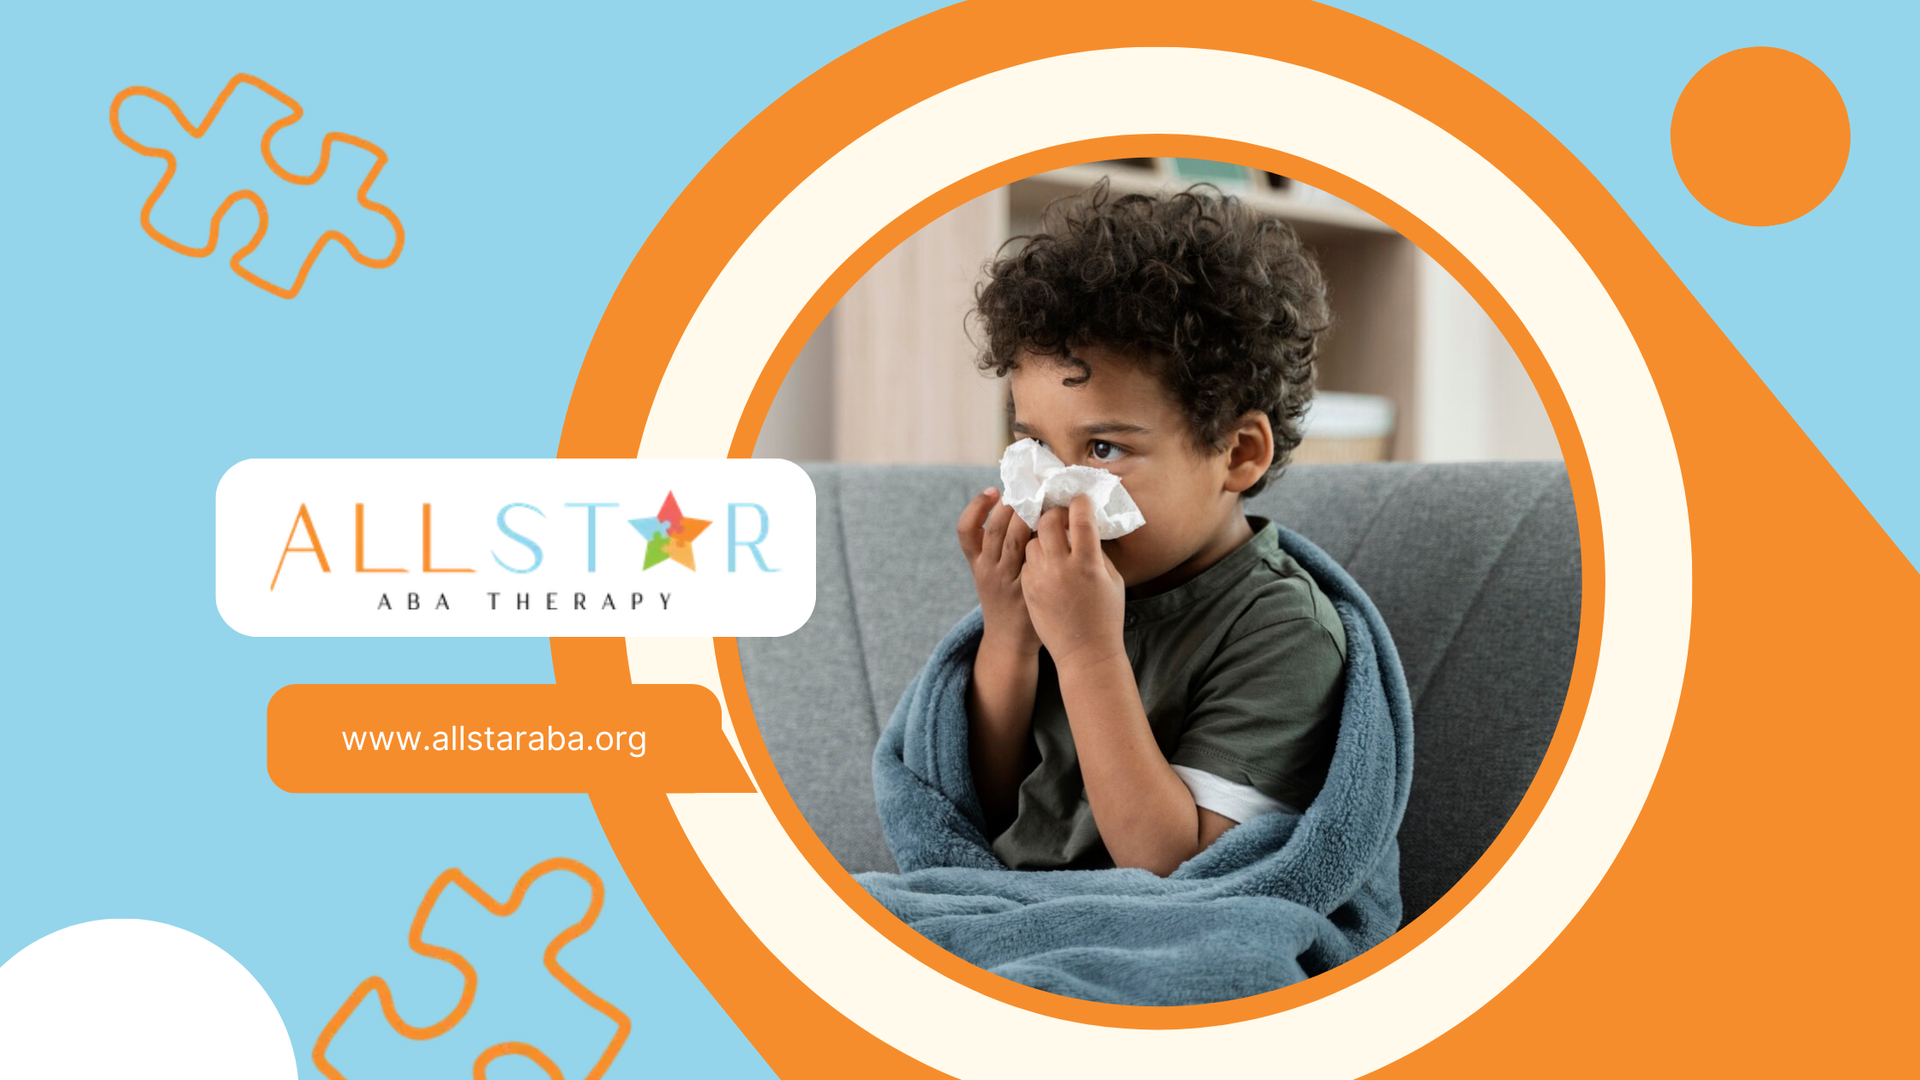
(1249, 451)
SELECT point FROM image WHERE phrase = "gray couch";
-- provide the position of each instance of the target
(1476, 569)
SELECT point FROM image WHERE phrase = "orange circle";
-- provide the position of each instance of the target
(1760, 136)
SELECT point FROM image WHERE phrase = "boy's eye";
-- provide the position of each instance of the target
(1106, 451)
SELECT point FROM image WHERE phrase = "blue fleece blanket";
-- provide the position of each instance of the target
(1277, 899)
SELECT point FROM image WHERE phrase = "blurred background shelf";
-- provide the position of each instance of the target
(889, 376)
(1316, 215)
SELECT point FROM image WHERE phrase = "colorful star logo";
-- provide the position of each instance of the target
(669, 535)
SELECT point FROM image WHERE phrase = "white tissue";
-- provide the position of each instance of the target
(1033, 480)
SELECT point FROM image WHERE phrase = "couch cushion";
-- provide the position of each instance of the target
(1475, 567)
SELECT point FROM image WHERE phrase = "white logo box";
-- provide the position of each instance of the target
(476, 580)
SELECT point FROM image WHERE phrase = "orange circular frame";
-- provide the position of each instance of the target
(1705, 387)
(1579, 687)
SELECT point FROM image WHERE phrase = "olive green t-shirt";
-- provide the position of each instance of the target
(1239, 670)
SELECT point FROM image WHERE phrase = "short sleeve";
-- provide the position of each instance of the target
(1235, 802)
(1265, 710)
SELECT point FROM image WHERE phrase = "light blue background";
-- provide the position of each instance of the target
(132, 780)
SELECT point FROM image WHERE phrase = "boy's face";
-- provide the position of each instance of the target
(1123, 420)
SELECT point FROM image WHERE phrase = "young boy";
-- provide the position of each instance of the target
(1133, 699)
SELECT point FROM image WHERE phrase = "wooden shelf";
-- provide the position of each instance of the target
(891, 376)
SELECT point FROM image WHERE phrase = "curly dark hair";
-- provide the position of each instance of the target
(1220, 301)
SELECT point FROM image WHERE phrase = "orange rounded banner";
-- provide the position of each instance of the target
(512, 738)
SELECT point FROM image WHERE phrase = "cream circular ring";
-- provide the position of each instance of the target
(1643, 647)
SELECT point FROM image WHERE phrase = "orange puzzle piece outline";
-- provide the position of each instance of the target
(266, 153)
(471, 980)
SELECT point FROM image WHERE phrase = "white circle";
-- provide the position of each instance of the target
(116, 998)
(1648, 581)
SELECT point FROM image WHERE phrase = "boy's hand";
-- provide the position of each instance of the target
(997, 554)
(1074, 593)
